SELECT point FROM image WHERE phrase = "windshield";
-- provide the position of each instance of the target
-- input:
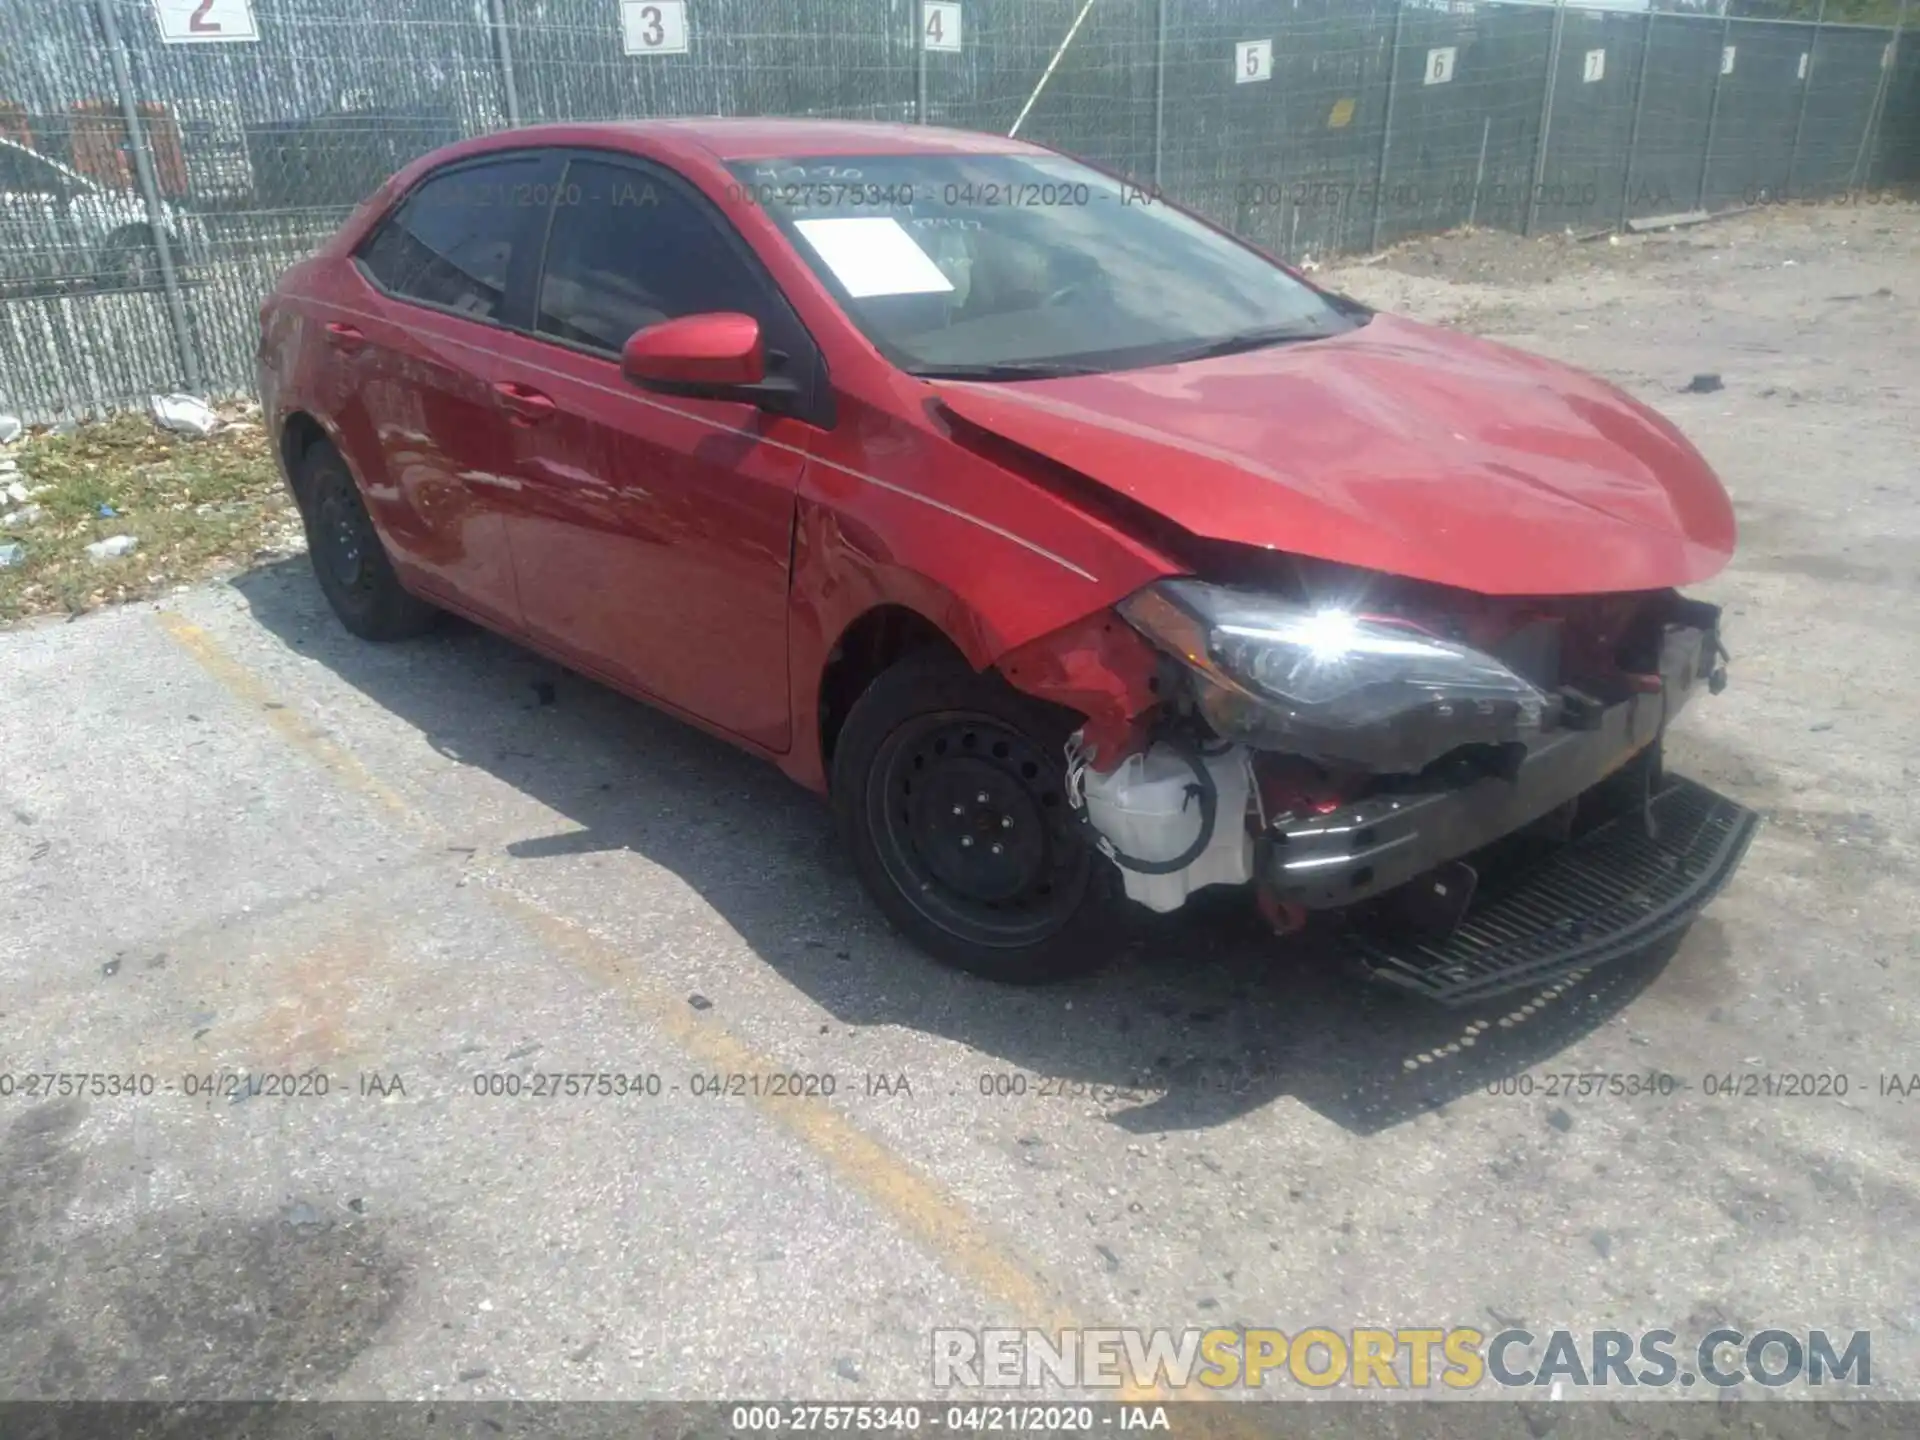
(1004, 267)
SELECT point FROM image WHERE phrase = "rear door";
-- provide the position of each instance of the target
(652, 534)
(38, 242)
(419, 410)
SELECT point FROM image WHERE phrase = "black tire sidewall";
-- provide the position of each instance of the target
(379, 608)
(932, 684)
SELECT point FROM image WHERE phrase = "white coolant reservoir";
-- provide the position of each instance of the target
(1147, 810)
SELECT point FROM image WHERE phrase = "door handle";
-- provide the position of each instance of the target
(526, 404)
(345, 337)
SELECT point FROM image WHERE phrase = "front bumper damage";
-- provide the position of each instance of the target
(1332, 860)
(1575, 850)
(1611, 892)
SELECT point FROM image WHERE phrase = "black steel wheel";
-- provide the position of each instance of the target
(951, 789)
(348, 559)
(130, 260)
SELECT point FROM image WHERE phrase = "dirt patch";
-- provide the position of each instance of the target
(197, 508)
(1501, 257)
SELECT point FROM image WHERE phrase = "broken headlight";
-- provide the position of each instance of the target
(1329, 684)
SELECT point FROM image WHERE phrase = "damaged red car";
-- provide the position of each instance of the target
(1082, 553)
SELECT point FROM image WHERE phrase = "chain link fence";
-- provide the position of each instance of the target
(161, 161)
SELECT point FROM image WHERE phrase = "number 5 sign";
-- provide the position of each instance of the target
(1252, 61)
(654, 27)
(205, 22)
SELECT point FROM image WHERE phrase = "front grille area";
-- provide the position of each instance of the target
(1609, 894)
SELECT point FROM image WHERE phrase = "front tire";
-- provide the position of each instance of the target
(348, 558)
(130, 261)
(950, 791)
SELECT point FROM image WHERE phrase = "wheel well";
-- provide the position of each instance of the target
(878, 640)
(299, 433)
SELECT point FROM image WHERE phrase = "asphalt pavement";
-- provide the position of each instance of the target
(235, 841)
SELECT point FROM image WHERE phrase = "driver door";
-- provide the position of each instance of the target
(651, 535)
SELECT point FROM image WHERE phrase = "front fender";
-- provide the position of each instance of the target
(993, 559)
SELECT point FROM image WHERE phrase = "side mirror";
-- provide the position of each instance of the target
(717, 356)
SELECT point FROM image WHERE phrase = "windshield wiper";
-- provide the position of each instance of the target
(1242, 341)
(1012, 370)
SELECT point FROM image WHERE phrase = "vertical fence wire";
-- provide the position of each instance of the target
(1313, 127)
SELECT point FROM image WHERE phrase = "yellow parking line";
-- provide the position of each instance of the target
(941, 1223)
(251, 691)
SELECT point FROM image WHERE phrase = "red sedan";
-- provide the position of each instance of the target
(1071, 545)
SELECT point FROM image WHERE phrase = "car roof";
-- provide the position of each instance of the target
(727, 139)
(762, 139)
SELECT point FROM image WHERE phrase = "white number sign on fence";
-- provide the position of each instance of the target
(205, 22)
(940, 25)
(1252, 60)
(1440, 65)
(654, 27)
(1594, 66)
(1726, 59)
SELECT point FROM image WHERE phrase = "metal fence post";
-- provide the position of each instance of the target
(1159, 89)
(1386, 126)
(1889, 58)
(1542, 135)
(920, 63)
(1633, 126)
(1713, 106)
(1806, 84)
(1479, 171)
(503, 52)
(150, 192)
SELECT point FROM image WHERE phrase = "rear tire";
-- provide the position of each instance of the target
(950, 791)
(349, 560)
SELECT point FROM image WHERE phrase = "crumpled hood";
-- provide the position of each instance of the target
(1397, 447)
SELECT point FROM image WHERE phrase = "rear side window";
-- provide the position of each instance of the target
(452, 241)
(25, 174)
(627, 251)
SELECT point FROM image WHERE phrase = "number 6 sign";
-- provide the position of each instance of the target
(205, 22)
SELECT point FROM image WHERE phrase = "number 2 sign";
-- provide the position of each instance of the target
(205, 22)
(654, 27)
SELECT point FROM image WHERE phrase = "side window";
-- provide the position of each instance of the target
(627, 251)
(26, 174)
(452, 240)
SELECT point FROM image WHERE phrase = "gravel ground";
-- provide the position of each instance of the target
(233, 839)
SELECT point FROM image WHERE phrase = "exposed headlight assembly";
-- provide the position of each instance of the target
(1331, 685)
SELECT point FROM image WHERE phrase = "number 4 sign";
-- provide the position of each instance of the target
(205, 22)
(940, 25)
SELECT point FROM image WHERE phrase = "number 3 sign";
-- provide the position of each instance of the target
(205, 22)
(654, 27)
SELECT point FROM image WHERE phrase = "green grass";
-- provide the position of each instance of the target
(199, 508)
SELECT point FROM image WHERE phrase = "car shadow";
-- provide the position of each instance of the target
(1202, 1017)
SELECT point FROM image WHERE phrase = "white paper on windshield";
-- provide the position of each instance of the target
(872, 255)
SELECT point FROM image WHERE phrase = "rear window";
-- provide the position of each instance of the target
(452, 240)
